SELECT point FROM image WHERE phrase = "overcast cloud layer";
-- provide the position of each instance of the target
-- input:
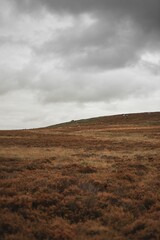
(68, 59)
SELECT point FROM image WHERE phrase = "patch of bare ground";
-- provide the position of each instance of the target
(92, 179)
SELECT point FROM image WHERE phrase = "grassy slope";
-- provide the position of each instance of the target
(90, 179)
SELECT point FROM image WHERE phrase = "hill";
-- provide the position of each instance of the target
(93, 179)
(147, 118)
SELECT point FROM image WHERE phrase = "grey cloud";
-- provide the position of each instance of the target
(10, 40)
(145, 12)
(64, 86)
(139, 7)
(99, 46)
(123, 30)
(4, 39)
(90, 88)
(8, 81)
(152, 67)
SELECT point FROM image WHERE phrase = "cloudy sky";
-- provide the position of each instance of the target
(71, 59)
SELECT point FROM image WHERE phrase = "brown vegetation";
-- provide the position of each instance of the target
(94, 179)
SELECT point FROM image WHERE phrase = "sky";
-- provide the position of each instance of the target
(62, 60)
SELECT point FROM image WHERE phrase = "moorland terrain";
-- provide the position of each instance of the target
(95, 179)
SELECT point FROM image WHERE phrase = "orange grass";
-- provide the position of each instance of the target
(94, 179)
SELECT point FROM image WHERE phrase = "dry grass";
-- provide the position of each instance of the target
(95, 179)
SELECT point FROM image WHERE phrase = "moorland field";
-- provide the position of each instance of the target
(96, 179)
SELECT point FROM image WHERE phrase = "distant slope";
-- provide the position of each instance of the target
(145, 119)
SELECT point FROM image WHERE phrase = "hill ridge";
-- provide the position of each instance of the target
(125, 118)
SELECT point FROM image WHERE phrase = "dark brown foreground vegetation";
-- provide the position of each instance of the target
(95, 179)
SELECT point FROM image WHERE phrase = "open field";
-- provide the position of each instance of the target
(96, 179)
